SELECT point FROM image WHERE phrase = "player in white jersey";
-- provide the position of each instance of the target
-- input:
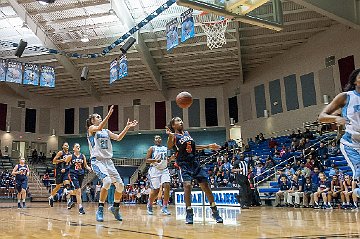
(349, 101)
(101, 153)
(158, 174)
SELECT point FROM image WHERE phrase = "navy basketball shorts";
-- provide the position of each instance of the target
(190, 171)
(21, 184)
(76, 180)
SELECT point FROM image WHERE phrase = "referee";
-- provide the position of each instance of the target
(240, 170)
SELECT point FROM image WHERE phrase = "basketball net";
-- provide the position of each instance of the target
(214, 28)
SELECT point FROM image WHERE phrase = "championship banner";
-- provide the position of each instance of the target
(31, 74)
(123, 67)
(47, 76)
(3, 68)
(187, 25)
(114, 71)
(14, 72)
(172, 36)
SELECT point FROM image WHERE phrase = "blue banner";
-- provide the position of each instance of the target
(123, 67)
(187, 25)
(3, 69)
(172, 36)
(47, 76)
(114, 70)
(14, 72)
(31, 74)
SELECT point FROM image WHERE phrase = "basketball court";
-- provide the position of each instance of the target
(39, 221)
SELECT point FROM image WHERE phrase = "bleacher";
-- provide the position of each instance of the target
(268, 188)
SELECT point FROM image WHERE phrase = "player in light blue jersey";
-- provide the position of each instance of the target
(349, 101)
(101, 153)
(158, 174)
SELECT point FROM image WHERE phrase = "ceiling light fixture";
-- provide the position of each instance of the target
(45, 2)
(85, 38)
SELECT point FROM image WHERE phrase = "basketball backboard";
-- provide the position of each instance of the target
(240, 10)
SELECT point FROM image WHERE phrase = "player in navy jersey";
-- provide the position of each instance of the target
(185, 148)
(347, 191)
(21, 172)
(77, 164)
(349, 101)
(101, 152)
(323, 190)
(61, 172)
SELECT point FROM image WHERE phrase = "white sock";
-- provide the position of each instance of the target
(23, 200)
(19, 200)
(80, 205)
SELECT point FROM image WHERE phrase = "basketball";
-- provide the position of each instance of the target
(184, 99)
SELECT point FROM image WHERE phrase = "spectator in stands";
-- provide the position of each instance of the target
(310, 162)
(294, 145)
(323, 190)
(322, 151)
(269, 164)
(332, 169)
(213, 183)
(88, 194)
(307, 143)
(255, 198)
(302, 145)
(53, 155)
(219, 178)
(284, 186)
(347, 186)
(272, 143)
(225, 183)
(288, 168)
(92, 190)
(34, 156)
(259, 171)
(226, 165)
(315, 176)
(309, 190)
(336, 190)
(46, 180)
(299, 135)
(293, 135)
(325, 163)
(333, 150)
(308, 134)
(304, 170)
(296, 190)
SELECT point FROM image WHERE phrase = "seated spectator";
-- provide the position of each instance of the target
(307, 143)
(332, 169)
(336, 190)
(293, 135)
(309, 190)
(296, 191)
(46, 180)
(288, 168)
(333, 150)
(225, 183)
(322, 151)
(261, 138)
(309, 162)
(259, 172)
(323, 190)
(272, 143)
(269, 164)
(308, 134)
(213, 183)
(315, 175)
(299, 135)
(347, 186)
(301, 145)
(325, 163)
(304, 170)
(284, 186)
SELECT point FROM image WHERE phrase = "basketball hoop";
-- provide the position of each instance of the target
(214, 28)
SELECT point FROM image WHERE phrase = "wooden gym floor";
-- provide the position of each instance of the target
(41, 221)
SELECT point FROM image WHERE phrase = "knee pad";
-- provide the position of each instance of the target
(106, 182)
(119, 187)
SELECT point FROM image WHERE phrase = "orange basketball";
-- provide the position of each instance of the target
(184, 99)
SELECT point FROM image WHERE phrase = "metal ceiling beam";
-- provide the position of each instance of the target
(124, 14)
(65, 62)
(346, 12)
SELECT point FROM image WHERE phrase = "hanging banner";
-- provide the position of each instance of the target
(31, 74)
(172, 36)
(123, 67)
(114, 69)
(14, 72)
(187, 25)
(3, 69)
(47, 76)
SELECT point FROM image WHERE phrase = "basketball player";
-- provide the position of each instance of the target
(101, 153)
(348, 182)
(61, 172)
(159, 175)
(21, 172)
(185, 149)
(349, 101)
(77, 164)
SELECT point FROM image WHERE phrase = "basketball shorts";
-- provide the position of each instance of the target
(158, 177)
(60, 177)
(352, 156)
(21, 184)
(190, 171)
(76, 180)
(105, 168)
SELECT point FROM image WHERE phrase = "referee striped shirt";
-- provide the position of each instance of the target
(241, 164)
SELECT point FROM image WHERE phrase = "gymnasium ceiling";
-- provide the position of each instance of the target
(62, 24)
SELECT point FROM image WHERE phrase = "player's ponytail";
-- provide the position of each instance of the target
(88, 121)
(170, 125)
(352, 78)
